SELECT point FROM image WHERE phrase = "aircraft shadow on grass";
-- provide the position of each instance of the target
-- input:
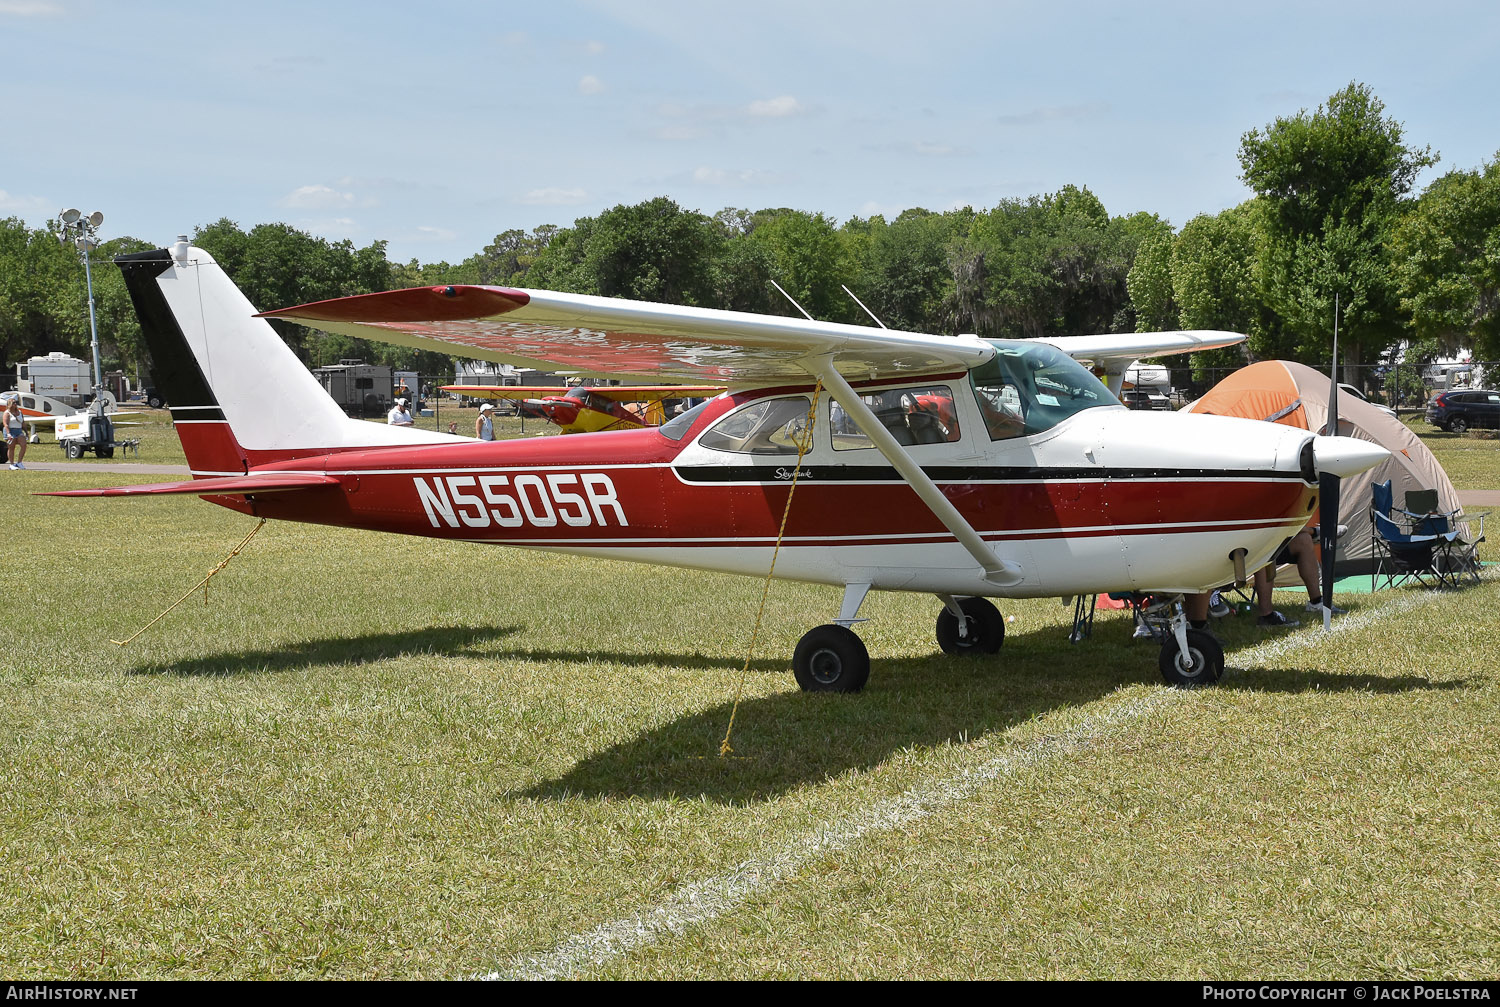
(791, 739)
(441, 640)
(1288, 680)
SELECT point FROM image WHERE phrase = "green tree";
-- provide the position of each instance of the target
(1150, 284)
(652, 251)
(1333, 185)
(1448, 249)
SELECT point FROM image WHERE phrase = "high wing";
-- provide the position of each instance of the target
(611, 337)
(275, 482)
(1113, 353)
(615, 393)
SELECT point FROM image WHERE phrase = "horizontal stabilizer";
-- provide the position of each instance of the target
(275, 482)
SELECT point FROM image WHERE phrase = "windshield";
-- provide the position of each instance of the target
(1030, 387)
(679, 425)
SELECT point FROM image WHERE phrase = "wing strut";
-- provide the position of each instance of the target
(996, 570)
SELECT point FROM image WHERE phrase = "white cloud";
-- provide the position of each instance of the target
(554, 197)
(30, 8)
(590, 85)
(316, 197)
(777, 107)
(1054, 113)
(594, 47)
(427, 233)
(680, 133)
(924, 148)
(742, 176)
(24, 203)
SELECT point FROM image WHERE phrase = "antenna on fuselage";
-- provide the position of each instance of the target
(789, 297)
(862, 305)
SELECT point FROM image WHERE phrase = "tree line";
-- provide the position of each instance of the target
(1332, 213)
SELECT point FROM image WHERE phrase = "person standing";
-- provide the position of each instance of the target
(484, 425)
(399, 416)
(15, 434)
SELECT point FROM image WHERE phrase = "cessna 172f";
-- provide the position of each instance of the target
(589, 409)
(961, 467)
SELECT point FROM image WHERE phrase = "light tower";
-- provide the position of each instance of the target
(84, 233)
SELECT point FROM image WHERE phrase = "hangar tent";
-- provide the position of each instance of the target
(1297, 395)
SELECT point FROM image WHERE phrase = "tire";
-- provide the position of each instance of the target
(108, 452)
(72, 449)
(1458, 425)
(1208, 661)
(155, 402)
(986, 629)
(831, 659)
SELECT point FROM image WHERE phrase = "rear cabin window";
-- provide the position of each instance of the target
(1031, 387)
(769, 427)
(921, 414)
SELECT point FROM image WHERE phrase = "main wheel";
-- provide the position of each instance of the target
(1208, 660)
(831, 659)
(984, 629)
(1458, 425)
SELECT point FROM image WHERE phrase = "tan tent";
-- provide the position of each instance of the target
(1297, 395)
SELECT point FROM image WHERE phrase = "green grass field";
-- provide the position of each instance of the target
(374, 756)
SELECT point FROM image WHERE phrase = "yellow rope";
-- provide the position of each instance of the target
(803, 446)
(202, 583)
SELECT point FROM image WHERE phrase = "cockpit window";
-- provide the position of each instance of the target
(923, 414)
(1031, 387)
(769, 427)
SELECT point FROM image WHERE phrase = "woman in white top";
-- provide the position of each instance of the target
(484, 426)
(15, 434)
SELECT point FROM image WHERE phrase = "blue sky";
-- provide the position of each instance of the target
(434, 126)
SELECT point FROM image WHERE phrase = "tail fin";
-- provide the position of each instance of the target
(239, 395)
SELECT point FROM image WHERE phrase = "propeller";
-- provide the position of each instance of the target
(1329, 480)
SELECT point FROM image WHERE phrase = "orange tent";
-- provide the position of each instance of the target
(1297, 395)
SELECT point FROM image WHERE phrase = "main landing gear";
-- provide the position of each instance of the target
(971, 626)
(832, 659)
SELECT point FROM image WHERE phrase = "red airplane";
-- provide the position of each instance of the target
(1038, 483)
(585, 410)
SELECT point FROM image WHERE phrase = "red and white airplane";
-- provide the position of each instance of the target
(960, 467)
(586, 409)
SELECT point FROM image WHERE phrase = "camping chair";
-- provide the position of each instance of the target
(1401, 551)
(1456, 556)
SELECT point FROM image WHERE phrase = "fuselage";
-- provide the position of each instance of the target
(1103, 499)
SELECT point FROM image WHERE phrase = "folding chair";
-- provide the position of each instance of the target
(1408, 544)
(1456, 555)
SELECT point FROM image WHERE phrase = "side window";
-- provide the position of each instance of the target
(922, 414)
(770, 427)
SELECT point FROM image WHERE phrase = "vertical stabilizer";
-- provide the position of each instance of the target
(239, 396)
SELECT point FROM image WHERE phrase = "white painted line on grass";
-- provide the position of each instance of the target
(715, 897)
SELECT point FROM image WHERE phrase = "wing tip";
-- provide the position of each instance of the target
(447, 303)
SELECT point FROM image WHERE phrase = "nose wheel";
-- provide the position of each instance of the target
(831, 659)
(982, 630)
(1201, 664)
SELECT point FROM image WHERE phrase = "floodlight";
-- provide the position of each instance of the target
(70, 216)
(96, 218)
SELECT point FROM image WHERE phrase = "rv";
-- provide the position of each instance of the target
(57, 376)
(360, 389)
